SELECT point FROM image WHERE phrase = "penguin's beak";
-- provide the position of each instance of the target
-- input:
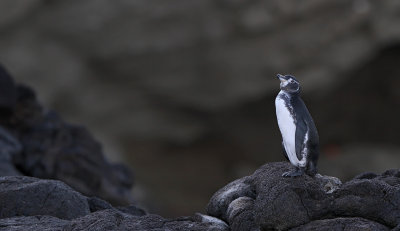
(281, 77)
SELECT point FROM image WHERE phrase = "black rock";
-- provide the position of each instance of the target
(28, 196)
(221, 200)
(33, 223)
(9, 148)
(29, 203)
(267, 201)
(109, 220)
(112, 219)
(37, 142)
(262, 201)
(8, 93)
(351, 224)
(97, 204)
(54, 149)
(132, 210)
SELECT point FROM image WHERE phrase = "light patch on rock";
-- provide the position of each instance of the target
(239, 205)
(329, 183)
(230, 190)
(213, 220)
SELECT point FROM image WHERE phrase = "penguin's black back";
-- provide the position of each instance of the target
(304, 123)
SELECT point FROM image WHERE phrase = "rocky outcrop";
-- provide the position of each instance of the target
(37, 142)
(27, 196)
(267, 201)
(353, 224)
(116, 220)
(109, 220)
(262, 201)
(33, 204)
(9, 148)
(33, 223)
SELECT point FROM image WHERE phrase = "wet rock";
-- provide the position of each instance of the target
(27, 196)
(309, 203)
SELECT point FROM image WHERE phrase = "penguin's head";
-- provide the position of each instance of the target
(289, 83)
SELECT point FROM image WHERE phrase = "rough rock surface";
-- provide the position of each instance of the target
(29, 203)
(32, 223)
(262, 201)
(108, 220)
(28, 196)
(267, 201)
(345, 224)
(116, 220)
(37, 142)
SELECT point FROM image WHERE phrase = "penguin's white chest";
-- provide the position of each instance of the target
(287, 127)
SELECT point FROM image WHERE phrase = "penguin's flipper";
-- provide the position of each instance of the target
(301, 132)
(284, 151)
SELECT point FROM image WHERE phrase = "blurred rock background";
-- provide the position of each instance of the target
(183, 90)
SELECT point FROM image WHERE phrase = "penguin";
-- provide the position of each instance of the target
(300, 138)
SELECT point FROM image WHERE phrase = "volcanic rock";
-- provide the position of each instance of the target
(37, 142)
(28, 196)
(268, 201)
(34, 204)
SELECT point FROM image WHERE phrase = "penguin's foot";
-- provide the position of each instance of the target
(295, 173)
(311, 172)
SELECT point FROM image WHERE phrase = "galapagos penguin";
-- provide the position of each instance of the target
(300, 139)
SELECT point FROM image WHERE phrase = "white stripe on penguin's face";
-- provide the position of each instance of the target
(290, 85)
(284, 83)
